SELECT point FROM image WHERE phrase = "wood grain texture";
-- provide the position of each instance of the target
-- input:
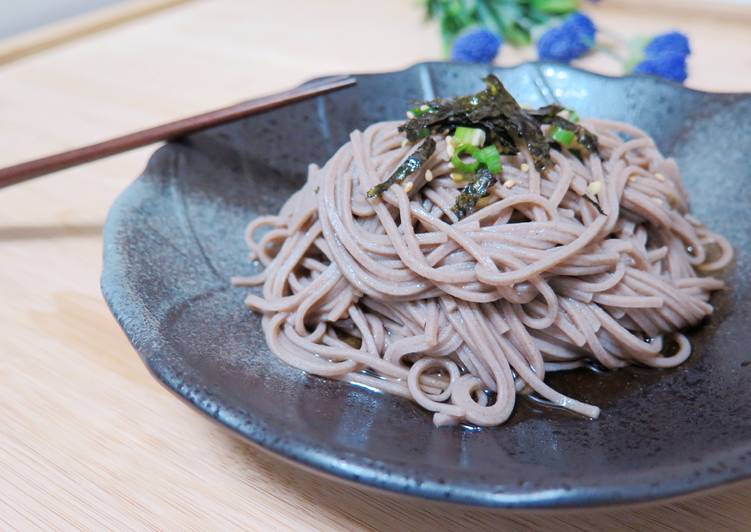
(88, 438)
(51, 35)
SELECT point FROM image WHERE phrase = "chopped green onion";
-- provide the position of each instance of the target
(461, 166)
(490, 157)
(469, 135)
(564, 137)
(419, 110)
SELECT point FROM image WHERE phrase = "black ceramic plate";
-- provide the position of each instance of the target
(175, 236)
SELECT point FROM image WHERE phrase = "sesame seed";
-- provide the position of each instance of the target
(509, 183)
(456, 176)
(659, 177)
(410, 115)
(428, 176)
(658, 201)
(424, 107)
(450, 149)
(404, 143)
(524, 167)
(632, 179)
(595, 187)
(450, 165)
(408, 187)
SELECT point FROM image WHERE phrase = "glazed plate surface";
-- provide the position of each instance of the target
(175, 237)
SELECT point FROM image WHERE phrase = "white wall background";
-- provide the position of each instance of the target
(17, 16)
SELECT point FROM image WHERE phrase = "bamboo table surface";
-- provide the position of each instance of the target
(88, 439)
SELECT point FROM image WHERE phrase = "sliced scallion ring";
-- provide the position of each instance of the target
(469, 135)
(461, 166)
(564, 137)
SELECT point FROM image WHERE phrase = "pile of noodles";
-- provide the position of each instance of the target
(460, 316)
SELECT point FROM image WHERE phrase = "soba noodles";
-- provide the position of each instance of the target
(595, 260)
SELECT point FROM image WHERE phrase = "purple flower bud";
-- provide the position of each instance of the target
(478, 45)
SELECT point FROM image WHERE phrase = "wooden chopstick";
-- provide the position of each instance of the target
(171, 130)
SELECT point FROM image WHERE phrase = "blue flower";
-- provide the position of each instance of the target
(672, 42)
(569, 41)
(669, 66)
(666, 56)
(583, 25)
(478, 45)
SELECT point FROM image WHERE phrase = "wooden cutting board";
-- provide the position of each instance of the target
(87, 438)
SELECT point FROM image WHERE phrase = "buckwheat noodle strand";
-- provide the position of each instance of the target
(460, 316)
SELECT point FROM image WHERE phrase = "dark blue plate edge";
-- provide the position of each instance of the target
(120, 298)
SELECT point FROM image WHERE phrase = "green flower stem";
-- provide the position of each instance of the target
(636, 48)
(608, 50)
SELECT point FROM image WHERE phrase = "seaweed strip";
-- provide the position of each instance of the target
(467, 200)
(413, 163)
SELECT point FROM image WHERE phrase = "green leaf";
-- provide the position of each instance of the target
(509, 16)
(449, 30)
(453, 17)
(431, 8)
(487, 16)
(636, 48)
(517, 35)
(556, 7)
(516, 21)
(537, 17)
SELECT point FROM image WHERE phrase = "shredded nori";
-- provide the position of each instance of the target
(595, 203)
(467, 200)
(407, 168)
(504, 121)
(550, 115)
